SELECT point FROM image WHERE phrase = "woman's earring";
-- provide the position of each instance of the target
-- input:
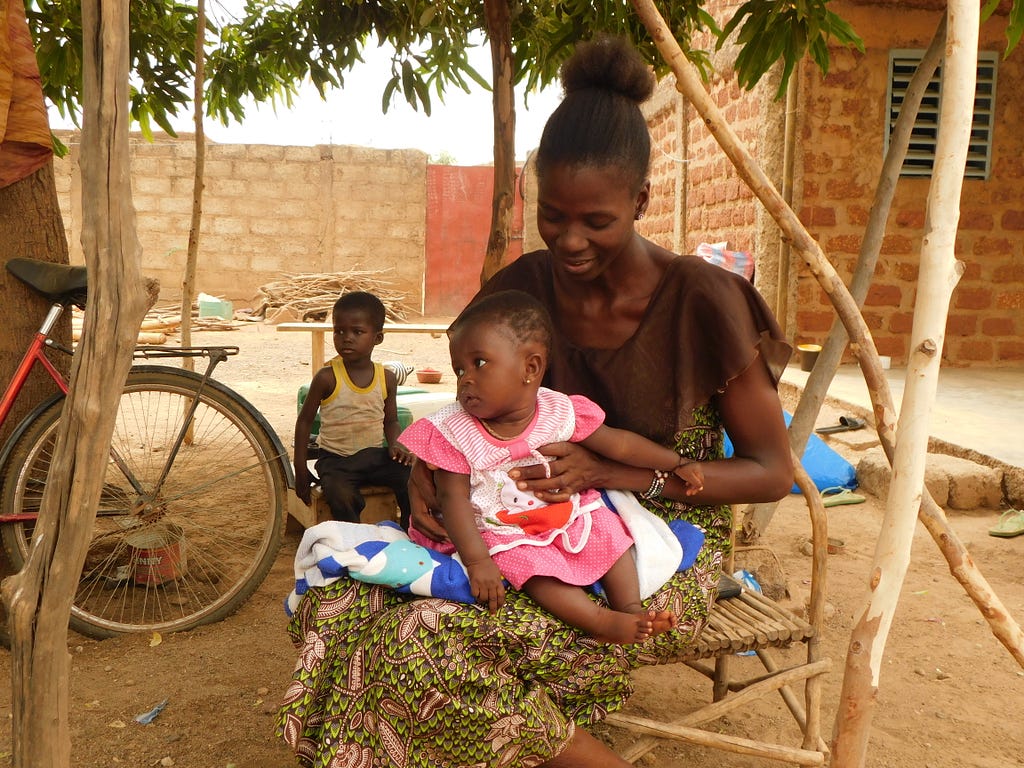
(526, 381)
(639, 215)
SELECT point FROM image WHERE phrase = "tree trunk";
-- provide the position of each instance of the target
(42, 593)
(30, 222)
(30, 227)
(939, 274)
(188, 283)
(499, 33)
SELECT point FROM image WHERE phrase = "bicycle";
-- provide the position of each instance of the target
(192, 511)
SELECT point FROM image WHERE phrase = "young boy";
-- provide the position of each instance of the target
(358, 411)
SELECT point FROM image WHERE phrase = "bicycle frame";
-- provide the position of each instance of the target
(34, 354)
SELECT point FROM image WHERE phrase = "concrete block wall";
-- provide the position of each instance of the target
(269, 211)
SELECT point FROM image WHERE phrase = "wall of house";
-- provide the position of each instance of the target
(697, 195)
(845, 114)
(838, 156)
(841, 150)
(270, 211)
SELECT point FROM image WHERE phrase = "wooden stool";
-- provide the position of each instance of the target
(380, 505)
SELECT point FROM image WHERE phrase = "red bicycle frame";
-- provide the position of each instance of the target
(34, 354)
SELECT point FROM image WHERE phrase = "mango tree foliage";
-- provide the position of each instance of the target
(271, 47)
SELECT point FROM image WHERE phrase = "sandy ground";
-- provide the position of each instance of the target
(949, 693)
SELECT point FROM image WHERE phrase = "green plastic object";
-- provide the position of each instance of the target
(315, 429)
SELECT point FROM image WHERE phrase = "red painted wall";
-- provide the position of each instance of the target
(458, 222)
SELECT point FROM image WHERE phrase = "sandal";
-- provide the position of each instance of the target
(834, 497)
(1011, 523)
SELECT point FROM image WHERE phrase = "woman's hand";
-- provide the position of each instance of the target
(572, 469)
(425, 512)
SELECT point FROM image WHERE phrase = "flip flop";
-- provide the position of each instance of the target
(837, 496)
(1011, 523)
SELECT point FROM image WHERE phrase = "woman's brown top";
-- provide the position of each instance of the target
(703, 327)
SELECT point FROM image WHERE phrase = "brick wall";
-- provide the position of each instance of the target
(269, 211)
(841, 156)
(697, 194)
(838, 157)
(664, 222)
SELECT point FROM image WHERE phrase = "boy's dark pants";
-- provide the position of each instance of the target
(341, 477)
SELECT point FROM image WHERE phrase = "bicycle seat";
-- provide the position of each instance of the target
(57, 282)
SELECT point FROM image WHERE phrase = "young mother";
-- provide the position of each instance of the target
(670, 347)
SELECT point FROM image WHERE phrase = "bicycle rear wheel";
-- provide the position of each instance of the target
(170, 555)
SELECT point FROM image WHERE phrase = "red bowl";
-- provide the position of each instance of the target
(428, 377)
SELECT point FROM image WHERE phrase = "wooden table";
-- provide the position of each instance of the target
(317, 331)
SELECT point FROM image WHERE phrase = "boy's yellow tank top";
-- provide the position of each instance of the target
(351, 417)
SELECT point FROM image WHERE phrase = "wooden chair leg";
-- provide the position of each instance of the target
(720, 684)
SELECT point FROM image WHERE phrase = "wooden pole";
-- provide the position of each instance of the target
(963, 568)
(939, 274)
(43, 591)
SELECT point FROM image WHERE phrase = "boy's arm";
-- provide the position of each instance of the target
(323, 383)
(460, 522)
(392, 428)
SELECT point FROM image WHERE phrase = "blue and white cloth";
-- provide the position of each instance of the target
(383, 554)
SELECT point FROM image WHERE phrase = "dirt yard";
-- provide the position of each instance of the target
(949, 695)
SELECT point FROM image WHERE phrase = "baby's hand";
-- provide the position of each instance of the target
(691, 474)
(400, 454)
(486, 583)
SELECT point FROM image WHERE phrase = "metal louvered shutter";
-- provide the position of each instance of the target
(921, 153)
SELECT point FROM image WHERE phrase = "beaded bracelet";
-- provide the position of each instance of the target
(657, 484)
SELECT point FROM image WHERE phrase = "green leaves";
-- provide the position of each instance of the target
(786, 31)
(275, 45)
(1015, 22)
(161, 57)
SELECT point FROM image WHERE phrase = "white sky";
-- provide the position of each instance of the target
(461, 126)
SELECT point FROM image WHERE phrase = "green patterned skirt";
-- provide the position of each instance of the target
(385, 680)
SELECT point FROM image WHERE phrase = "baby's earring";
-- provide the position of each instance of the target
(526, 380)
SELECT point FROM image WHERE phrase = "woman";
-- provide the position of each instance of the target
(670, 347)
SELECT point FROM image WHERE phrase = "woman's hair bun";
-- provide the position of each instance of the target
(608, 63)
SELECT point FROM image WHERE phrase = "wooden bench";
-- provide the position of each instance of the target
(752, 622)
(318, 330)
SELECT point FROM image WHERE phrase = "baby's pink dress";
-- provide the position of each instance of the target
(575, 542)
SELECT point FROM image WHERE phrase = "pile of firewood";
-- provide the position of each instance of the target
(159, 324)
(155, 328)
(310, 297)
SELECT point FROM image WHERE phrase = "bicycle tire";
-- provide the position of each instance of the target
(190, 555)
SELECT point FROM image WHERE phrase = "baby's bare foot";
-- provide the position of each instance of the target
(624, 628)
(662, 621)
